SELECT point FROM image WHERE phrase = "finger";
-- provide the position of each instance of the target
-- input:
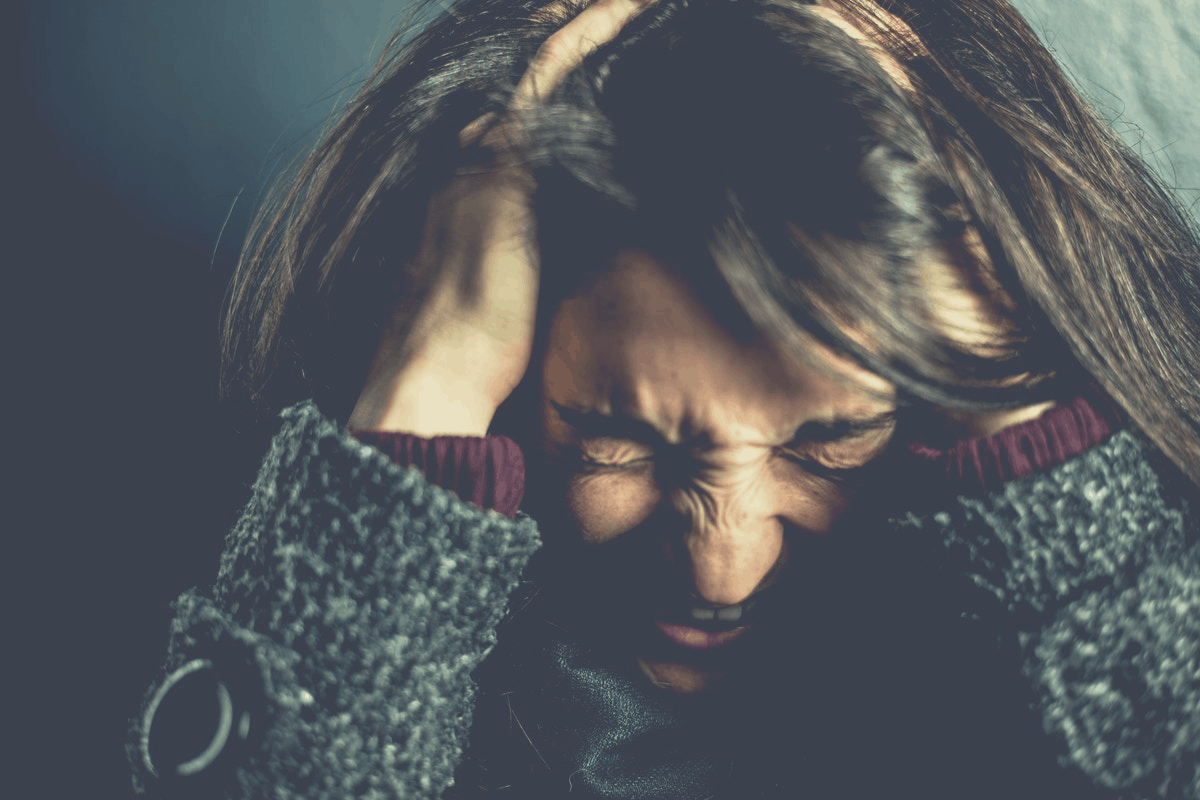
(596, 25)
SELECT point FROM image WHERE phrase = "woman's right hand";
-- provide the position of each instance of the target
(470, 343)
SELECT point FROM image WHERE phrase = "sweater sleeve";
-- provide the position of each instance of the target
(352, 603)
(1097, 570)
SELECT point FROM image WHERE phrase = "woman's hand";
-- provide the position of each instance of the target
(471, 341)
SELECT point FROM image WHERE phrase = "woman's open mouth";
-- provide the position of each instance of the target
(689, 645)
(699, 627)
(692, 650)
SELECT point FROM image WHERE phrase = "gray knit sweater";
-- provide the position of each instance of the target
(358, 599)
(1101, 574)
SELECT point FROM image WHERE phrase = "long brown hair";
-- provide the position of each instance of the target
(1099, 260)
(1097, 245)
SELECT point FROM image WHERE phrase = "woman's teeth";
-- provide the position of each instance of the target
(729, 614)
(723, 614)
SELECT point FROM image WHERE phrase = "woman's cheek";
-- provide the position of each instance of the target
(805, 501)
(607, 504)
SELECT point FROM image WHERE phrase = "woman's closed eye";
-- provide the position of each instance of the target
(612, 459)
(840, 461)
(834, 473)
(612, 455)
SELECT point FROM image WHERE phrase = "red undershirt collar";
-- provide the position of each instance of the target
(1059, 434)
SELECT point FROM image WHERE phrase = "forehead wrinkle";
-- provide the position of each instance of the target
(709, 425)
(649, 349)
(651, 404)
(750, 404)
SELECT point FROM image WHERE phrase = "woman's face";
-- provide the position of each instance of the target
(696, 455)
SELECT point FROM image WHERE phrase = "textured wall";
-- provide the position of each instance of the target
(1139, 64)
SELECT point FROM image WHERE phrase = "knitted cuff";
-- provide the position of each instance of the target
(488, 471)
(1018, 451)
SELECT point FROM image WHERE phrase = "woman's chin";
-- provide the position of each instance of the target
(687, 660)
(681, 678)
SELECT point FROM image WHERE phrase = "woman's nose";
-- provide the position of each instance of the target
(731, 558)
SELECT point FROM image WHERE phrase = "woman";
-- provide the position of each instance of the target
(853, 366)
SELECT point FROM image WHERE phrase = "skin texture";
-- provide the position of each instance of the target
(667, 425)
(749, 432)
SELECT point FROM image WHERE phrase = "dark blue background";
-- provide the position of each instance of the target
(139, 130)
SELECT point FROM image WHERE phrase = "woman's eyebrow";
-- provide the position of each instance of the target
(618, 425)
(835, 430)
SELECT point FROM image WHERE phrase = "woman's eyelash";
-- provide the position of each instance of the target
(831, 474)
(815, 468)
(594, 465)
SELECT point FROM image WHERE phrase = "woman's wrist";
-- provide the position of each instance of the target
(423, 404)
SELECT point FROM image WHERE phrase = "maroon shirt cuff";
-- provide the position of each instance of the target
(1061, 433)
(488, 471)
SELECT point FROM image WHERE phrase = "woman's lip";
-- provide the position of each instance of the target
(696, 639)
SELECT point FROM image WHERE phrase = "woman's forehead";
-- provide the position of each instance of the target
(642, 337)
